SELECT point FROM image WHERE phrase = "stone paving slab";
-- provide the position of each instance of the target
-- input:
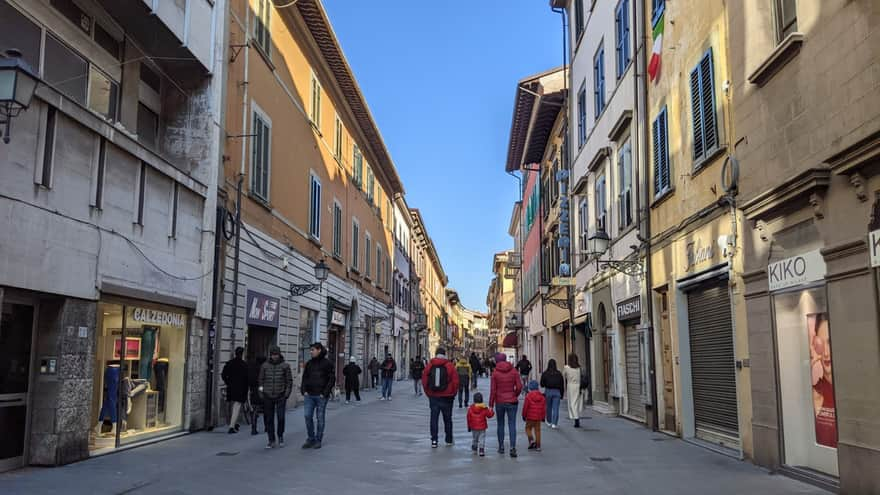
(383, 447)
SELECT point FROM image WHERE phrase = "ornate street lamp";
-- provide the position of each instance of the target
(545, 291)
(18, 81)
(598, 244)
(321, 273)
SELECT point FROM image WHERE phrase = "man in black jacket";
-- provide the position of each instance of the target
(524, 367)
(235, 377)
(318, 380)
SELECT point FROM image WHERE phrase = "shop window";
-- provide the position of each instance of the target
(139, 374)
(308, 320)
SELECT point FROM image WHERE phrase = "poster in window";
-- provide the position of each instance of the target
(824, 410)
(132, 348)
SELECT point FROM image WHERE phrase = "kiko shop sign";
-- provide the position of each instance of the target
(797, 270)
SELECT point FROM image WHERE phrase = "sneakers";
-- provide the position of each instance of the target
(433, 444)
(501, 449)
(237, 426)
(532, 446)
(537, 448)
(231, 431)
(388, 399)
(381, 398)
(316, 445)
(347, 402)
(554, 426)
(577, 423)
(309, 444)
(512, 453)
(271, 445)
(280, 442)
(449, 443)
(482, 452)
(473, 447)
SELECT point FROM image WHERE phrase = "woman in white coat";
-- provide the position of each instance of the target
(572, 375)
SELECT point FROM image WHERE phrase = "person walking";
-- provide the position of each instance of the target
(489, 365)
(389, 367)
(475, 369)
(416, 367)
(374, 372)
(504, 390)
(256, 401)
(235, 376)
(352, 373)
(478, 422)
(318, 379)
(554, 390)
(533, 413)
(463, 368)
(574, 384)
(524, 367)
(440, 381)
(275, 384)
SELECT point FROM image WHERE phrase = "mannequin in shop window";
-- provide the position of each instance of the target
(160, 370)
(109, 408)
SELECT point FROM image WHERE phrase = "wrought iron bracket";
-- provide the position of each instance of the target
(562, 303)
(235, 49)
(633, 268)
(300, 289)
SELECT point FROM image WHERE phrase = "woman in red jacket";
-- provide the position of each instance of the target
(504, 398)
(533, 413)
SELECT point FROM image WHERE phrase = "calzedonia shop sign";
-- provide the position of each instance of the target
(144, 315)
(797, 270)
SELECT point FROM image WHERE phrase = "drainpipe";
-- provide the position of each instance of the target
(238, 192)
(640, 84)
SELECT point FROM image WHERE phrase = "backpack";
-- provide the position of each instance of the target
(438, 378)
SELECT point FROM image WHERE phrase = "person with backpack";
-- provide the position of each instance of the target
(575, 383)
(504, 390)
(440, 381)
(534, 411)
(352, 373)
(389, 367)
(524, 367)
(463, 368)
(554, 391)
(416, 367)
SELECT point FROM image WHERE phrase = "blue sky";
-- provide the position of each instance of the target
(439, 77)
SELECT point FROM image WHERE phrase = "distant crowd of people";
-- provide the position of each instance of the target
(264, 387)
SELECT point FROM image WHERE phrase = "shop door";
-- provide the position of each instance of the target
(336, 351)
(668, 370)
(713, 369)
(260, 339)
(806, 388)
(634, 387)
(607, 363)
(16, 336)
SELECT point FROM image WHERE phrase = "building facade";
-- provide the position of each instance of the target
(807, 117)
(108, 190)
(432, 287)
(404, 286)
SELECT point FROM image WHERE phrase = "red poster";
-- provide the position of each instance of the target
(824, 410)
(132, 348)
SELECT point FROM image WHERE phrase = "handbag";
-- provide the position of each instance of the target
(585, 379)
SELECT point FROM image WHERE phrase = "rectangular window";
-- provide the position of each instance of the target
(74, 14)
(337, 230)
(261, 142)
(315, 208)
(371, 185)
(703, 109)
(175, 203)
(582, 115)
(601, 210)
(106, 41)
(584, 222)
(358, 166)
(147, 126)
(625, 196)
(368, 254)
(149, 77)
(262, 35)
(18, 31)
(786, 18)
(315, 111)
(355, 243)
(99, 173)
(380, 270)
(45, 177)
(578, 18)
(662, 168)
(657, 8)
(337, 140)
(103, 94)
(599, 80)
(141, 194)
(65, 70)
(621, 29)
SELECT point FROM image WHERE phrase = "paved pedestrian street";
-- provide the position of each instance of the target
(383, 447)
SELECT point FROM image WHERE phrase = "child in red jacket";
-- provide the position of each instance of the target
(477, 421)
(533, 413)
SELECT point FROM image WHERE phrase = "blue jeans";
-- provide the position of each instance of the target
(508, 410)
(441, 405)
(273, 408)
(315, 405)
(386, 387)
(553, 397)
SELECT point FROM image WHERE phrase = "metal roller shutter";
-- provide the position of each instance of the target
(712, 359)
(634, 392)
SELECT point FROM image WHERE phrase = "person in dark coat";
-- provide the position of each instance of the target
(235, 376)
(256, 402)
(318, 380)
(476, 369)
(275, 384)
(374, 372)
(352, 373)
(416, 367)
(389, 367)
(554, 391)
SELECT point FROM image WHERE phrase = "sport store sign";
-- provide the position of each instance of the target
(797, 270)
(262, 309)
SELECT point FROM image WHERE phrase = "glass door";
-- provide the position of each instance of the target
(16, 336)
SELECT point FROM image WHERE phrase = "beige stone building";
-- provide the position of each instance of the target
(806, 109)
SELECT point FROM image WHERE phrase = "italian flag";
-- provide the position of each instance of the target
(654, 64)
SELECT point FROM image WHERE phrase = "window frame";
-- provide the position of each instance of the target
(782, 29)
(337, 229)
(601, 202)
(621, 32)
(315, 103)
(582, 114)
(257, 113)
(625, 186)
(660, 134)
(357, 165)
(368, 253)
(262, 24)
(337, 139)
(315, 206)
(599, 102)
(658, 7)
(355, 243)
(698, 104)
(579, 19)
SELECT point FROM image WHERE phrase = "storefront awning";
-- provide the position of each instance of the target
(510, 340)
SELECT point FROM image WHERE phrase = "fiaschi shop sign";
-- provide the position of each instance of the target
(158, 317)
(797, 270)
